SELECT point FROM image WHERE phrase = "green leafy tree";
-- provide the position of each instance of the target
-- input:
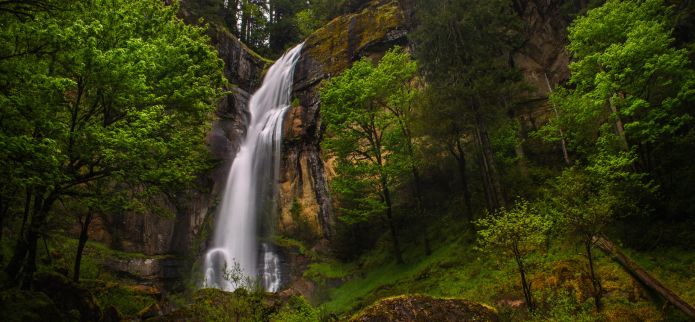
(109, 92)
(589, 199)
(628, 74)
(365, 137)
(463, 48)
(518, 231)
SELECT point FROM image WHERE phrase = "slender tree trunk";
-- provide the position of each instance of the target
(619, 126)
(486, 174)
(595, 281)
(563, 142)
(488, 159)
(84, 236)
(524, 282)
(21, 247)
(24, 258)
(392, 225)
(244, 27)
(417, 189)
(27, 209)
(460, 155)
(4, 207)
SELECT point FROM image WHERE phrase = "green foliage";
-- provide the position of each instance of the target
(625, 58)
(463, 50)
(520, 229)
(105, 102)
(321, 272)
(297, 309)
(563, 307)
(307, 22)
(362, 132)
(127, 301)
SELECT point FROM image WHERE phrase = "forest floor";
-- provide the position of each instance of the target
(457, 268)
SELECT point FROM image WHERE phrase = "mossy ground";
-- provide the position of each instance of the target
(559, 278)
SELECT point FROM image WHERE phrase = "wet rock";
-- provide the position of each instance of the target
(68, 296)
(416, 308)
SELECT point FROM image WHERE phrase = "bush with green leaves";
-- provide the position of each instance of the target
(517, 232)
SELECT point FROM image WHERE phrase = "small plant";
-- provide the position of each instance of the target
(518, 231)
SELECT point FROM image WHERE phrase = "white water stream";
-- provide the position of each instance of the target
(233, 258)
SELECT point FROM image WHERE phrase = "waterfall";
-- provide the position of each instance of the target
(250, 194)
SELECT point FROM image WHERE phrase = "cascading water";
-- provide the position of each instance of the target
(251, 189)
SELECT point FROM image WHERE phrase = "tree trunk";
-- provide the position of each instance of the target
(24, 258)
(488, 159)
(84, 236)
(460, 156)
(421, 208)
(619, 126)
(392, 225)
(595, 280)
(27, 209)
(244, 26)
(524, 283)
(641, 275)
(4, 207)
(563, 142)
(21, 247)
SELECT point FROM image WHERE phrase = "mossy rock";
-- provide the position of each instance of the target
(68, 296)
(416, 308)
(20, 306)
(333, 47)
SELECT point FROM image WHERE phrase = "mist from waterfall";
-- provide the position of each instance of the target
(250, 193)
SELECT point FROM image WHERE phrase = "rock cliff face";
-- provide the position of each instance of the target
(184, 234)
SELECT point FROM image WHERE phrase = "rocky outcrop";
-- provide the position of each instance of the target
(368, 32)
(543, 58)
(421, 308)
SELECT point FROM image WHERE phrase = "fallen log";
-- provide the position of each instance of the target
(641, 275)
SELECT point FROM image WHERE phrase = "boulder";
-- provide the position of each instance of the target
(422, 308)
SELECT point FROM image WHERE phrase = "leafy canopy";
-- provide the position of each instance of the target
(363, 133)
(104, 90)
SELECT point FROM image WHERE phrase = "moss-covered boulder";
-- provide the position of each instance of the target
(68, 296)
(334, 47)
(26, 306)
(416, 308)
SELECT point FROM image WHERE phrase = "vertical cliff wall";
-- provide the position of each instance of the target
(184, 234)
